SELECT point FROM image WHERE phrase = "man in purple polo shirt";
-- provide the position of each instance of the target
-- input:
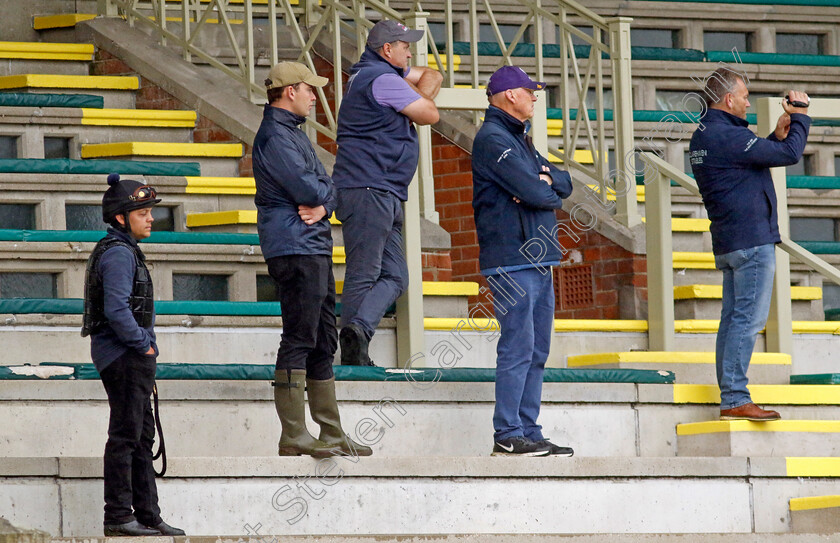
(376, 160)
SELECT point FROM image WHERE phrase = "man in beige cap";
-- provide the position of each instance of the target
(295, 198)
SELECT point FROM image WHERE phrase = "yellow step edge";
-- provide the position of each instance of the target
(60, 21)
(44, 47)
(560, 325)
(221, 185)
(147, 148)
(215, 218)
(728, 426)
(436, 288)
(584, 156)
(694, 261)
(432, 63)
(715, 292)
(708, 326)
(23, 55)
(806, 466)
(686, 224)
(814, 502)
(102, 82)
(640, 194)
(236, 216)
(138, 117)
(763, 394)
(662, 357)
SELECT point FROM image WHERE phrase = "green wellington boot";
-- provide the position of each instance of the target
(324, 410)
(295, 439)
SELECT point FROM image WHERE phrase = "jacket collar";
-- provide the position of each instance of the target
(122, 236)
(508, 121)
(371, 57)
(720, 116)
(283, 116)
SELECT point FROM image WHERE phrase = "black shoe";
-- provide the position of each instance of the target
(519, 446)
(165, 529)
(132, 528)
(354, 346)
(556, 450)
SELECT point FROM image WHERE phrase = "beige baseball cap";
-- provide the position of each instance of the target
(289, 73)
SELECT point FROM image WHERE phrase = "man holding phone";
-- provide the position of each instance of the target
(732, 168)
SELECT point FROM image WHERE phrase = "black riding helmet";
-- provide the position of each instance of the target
(124, 195)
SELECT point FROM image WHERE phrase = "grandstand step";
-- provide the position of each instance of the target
(242, 221)
(772, 438)
(63, 20)
(51, 58)
(507, 538)
(116, 90)
(703, 302)
(287, 496)
(815, 514)
(216, 159)
(689, 367)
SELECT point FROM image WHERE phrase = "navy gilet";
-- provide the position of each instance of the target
(377, 145)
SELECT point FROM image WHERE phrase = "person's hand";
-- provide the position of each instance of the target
(311, 215)
(517, 200)
(782, 127)
(796, 96)
(545, 176)
(151, 351)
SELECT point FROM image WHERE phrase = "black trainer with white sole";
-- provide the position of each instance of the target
(519, 446)
(556, 450)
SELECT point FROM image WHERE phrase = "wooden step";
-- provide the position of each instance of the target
(747, 438)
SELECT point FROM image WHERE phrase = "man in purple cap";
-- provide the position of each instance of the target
(376, 160)
(515, 193)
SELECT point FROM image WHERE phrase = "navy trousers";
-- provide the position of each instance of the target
(376, 273)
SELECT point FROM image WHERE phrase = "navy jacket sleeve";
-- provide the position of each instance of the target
(304, 187)
(117, 268)
(749, 150)
(517, 174)
(561, 181)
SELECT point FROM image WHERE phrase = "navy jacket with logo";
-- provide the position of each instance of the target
(288, 173)
(505, 164)
(377, 145)
(731, 165)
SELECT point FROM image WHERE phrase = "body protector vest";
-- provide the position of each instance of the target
(141, 302)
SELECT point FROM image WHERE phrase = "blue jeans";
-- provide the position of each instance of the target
(524, 305)
(747, 287)
(376, 273)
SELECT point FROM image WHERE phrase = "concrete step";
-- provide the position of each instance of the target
(216, 159)
(39, 57)
(397, 417)
(704, 302)
(690, 367)
(255, 537)
(815, 514)
(116, 90)
(240, 221)
(299, 496)
(746, 438)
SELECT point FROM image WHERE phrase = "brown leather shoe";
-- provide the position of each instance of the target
(749, 411)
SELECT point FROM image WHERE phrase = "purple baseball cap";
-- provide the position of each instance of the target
(388, 31)
(511, 77)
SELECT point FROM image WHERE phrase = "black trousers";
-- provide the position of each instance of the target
(129, 474)
(306, 288)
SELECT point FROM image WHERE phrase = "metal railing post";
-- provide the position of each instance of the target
(410, 330)
(660, 263)
(778, 335)
(106, 8)
(622, 87)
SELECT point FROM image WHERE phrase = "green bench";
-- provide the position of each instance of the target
(98, 166)
(92, 236)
